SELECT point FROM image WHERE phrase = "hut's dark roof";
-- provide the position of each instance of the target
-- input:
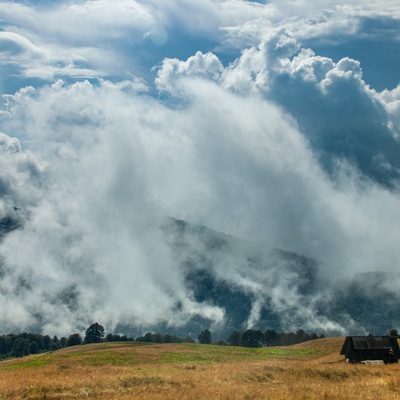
(370, 343)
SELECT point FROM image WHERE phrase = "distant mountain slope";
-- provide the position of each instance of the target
(253, 285)
(267, 288)
(10, 222)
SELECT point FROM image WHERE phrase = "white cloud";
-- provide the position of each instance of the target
(73, 238)
(391, 99)
(74, 39)
(15, 44)
(9, 145)
(336, 110)
(79, 22)
(331, 22)
(89, 39)
(21, 172)
(206, 66)
(47, 61)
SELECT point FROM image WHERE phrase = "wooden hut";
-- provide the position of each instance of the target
(371, 348)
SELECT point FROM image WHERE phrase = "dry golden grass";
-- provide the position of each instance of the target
(312, 370)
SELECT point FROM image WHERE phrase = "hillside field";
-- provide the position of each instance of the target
(311, 370)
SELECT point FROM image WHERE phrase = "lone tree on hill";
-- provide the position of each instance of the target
(94, 333)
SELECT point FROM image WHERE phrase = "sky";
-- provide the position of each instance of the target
(272, 121)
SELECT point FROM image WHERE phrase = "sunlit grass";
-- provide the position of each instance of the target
(167, 371)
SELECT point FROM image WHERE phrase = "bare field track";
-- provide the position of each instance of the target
(311, 370)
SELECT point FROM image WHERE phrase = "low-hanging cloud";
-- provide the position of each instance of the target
(92, 246)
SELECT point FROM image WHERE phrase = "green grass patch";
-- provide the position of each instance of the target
(201, 354)
(76, 355)
(289, 350)
(189, 354)
(31, 362)
(284, 352)
(102, 357)
(180, 358)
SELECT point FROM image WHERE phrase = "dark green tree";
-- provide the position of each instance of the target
(74, 340)
(55, 343)
(157, 338)
(21, 347)
(167, 338)
(287, 339)
(63, 341)
(9, 341)
(47, 342)
(393, 332)
(34, 348)
(3, 346)
(39, 341)
(205, 337)
(112, 338)
(301, 336)
(251, 338)
(148, 337)
(270, 337)
(94, 334)
(234, 338)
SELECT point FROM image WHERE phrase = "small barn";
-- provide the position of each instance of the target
(371, 348)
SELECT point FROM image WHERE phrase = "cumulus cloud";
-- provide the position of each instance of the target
(341, 116)
(89, 39)
(101, 38)
(391, 99)
(206, 66)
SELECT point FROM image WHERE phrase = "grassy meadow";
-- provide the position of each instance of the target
(311, 370)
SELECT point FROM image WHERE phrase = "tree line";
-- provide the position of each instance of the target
(19, 345)
(257, 338)
(23, 344)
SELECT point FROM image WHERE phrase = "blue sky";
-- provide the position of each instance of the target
(273, 121)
